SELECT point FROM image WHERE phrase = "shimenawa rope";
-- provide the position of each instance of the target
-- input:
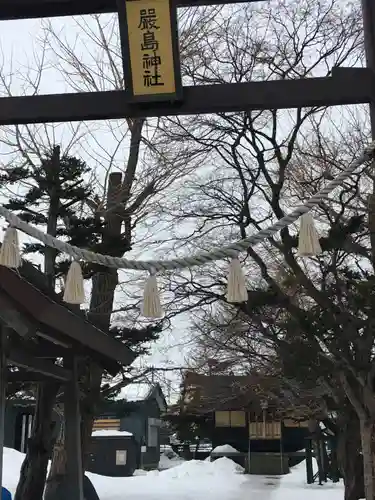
(237, 292)
(231, 250)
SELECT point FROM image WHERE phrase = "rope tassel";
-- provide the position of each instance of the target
(151, 299)
(10, 250)
(74, 292)
(237, 289)
(367, 156)
(308, 241)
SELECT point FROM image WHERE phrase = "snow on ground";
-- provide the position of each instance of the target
(293, 487)
(224, 448)
(12, 461)
(196, 480)
(193, 480)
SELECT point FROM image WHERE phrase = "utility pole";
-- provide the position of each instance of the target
(368, 14)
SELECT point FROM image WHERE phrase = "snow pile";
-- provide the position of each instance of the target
(12, 461)
(167, 462)
(224, 448)
(193, 480)
(226, 466)
(196, 480)
(293, 486)
(109, 433)
(140, 472)
(197, 468)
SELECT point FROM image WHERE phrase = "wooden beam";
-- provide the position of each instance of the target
(86, 334)
(348, 86)
(26, 376)
(4, 330)
(13, 318)
(27, 9)
(54, 338)
(22, 359)
(53, 316)
(40, 349)
(72, 419)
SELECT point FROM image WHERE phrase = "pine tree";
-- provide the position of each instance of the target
(55, 191)
(53, 195)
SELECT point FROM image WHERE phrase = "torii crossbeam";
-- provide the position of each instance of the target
(28, 9)
(344, 86)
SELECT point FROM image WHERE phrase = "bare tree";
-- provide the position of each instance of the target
(127, 195)
(261, 164)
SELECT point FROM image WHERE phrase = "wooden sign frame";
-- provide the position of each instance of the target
(169, 45)
(344, 86)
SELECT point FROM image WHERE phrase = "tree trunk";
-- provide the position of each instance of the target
(104, 283)
(50, 253)
(89, 410)
(367, 427)
(57, 474)
(34, 467)
(349, 455)
(116, 241)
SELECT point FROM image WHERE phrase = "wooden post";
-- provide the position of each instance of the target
(319, 458)
(309, 466)
(3, 341)
(335, 472)
(74, 475)
(325, 462)
(282, 469)
(248, 422)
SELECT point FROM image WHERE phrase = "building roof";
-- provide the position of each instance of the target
(202, 394)
(143, 391)
(135, 392)
(42, 315)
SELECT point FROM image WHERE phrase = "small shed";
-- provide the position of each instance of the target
(113, 453)
(137, 409)
(255, 414)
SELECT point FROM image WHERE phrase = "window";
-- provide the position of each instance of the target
(27, 423)
(112, 424)
(265, 430)
(230, 419)
(121, 456)
(237, 419)
(222, 419)
(153, 434)
(295, 423)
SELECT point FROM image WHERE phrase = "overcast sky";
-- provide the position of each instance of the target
(18, 48)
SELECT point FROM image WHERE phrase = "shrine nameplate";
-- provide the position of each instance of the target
(149, 42)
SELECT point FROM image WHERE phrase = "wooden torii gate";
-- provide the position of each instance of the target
(344, 86)
(152, 80)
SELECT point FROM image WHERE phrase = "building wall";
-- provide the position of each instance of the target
(144, 424)
(134, 423)
(287, 438)
(138, 423)
(9, 427)
(105, 454)
(18, 424)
